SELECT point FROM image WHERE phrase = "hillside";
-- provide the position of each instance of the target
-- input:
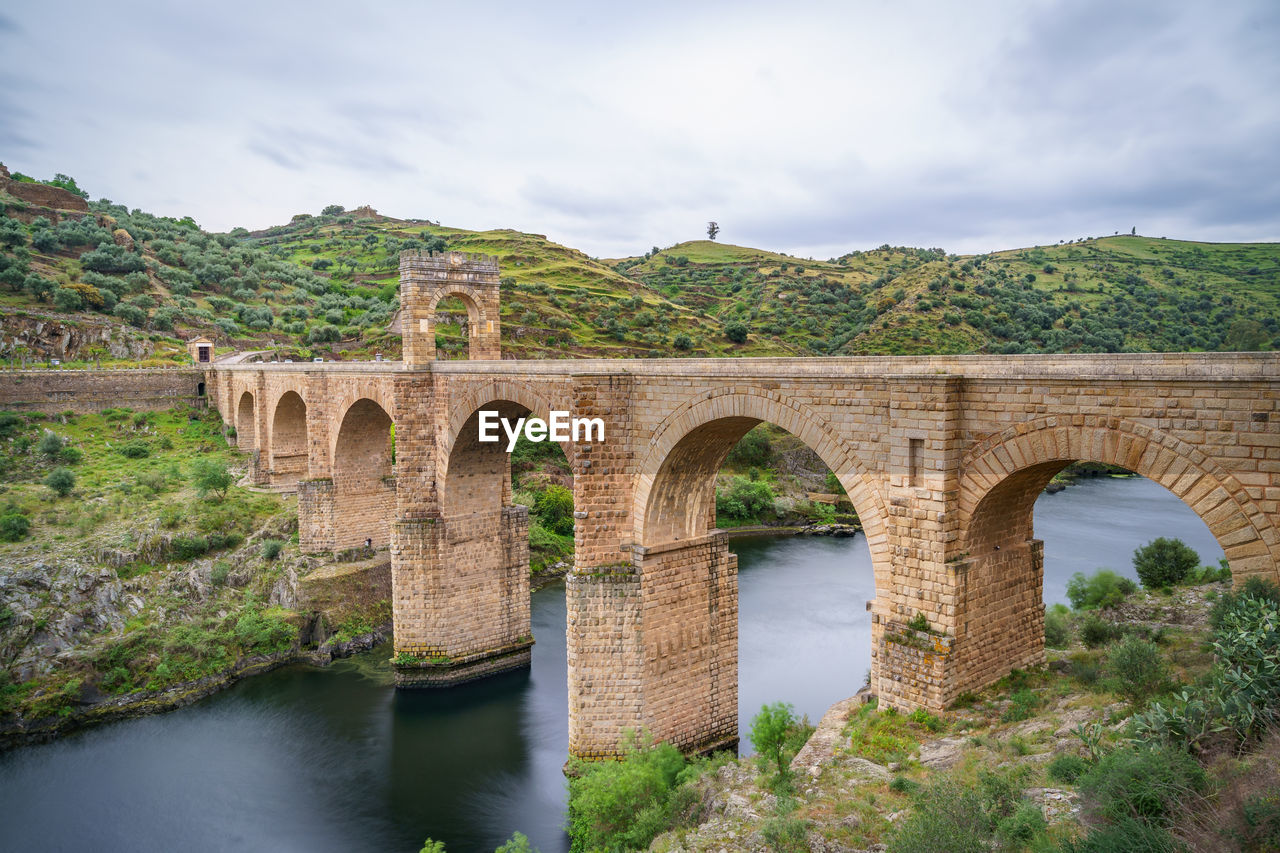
(95, 281)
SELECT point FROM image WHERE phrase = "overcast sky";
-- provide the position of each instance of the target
(811, 129)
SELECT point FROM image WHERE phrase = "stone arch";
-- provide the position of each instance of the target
(520, 393)
(476, 319)
(363, 475)
(246, 422)
(288, 451)
(1003, 475)
(692, 442)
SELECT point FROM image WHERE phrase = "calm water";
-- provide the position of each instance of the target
(336, 760)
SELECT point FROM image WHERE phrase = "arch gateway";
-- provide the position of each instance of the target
(943, 457)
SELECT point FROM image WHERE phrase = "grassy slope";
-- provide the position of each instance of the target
(1108, 294)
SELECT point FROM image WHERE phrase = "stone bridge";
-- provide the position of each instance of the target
(942, 456)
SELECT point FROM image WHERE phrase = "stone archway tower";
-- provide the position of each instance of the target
(427, 279)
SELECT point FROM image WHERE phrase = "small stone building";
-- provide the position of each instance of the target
(201, 350)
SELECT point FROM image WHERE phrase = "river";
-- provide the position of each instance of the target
(334, 759)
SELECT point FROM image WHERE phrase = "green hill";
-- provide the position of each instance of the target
(113, 284)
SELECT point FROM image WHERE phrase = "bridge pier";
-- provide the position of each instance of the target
(461, 597)
(316, 515)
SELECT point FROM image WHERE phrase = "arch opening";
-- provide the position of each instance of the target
(246, 423)
(1002, 601)
(364, 476)
(455, 319)
(688, 574)
(289, 440)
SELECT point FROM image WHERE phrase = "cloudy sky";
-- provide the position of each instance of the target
(807, 128)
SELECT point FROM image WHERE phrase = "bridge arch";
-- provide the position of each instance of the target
(520, 394)
(363, 475)
(679, 464)
(246, 423)
(1005, 473)
(288, 450)
(477, 321)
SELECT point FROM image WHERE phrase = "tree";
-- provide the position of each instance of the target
(61, 480)
(211, 475)
(713, 228)
(769, 731)
(333, 210)
(736, 331)
(1163, 562)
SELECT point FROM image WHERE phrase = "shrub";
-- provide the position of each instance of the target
(61, 480)
(1026, 822)
(769, 730)
(624, 804)
(682, 342)
(14, 526)
(1057, 627)
(1103, 589)
(271, 549)
(1137, 669)
(1254, 587)
(754, 448)
(1127, 835)
(736, 331)
(136, 449)
(211, 475)
(1095, 632)
(1261, 814)
(1164, 562)
(744, 499)
(1023, 705)
(1141, 783)
(554, 508)
(51, 445)
(263, 633)
(947, 818)
(1066, 768)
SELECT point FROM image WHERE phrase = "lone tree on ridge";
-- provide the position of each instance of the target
(713, 228)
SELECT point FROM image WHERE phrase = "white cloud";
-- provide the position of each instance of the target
(807, 128)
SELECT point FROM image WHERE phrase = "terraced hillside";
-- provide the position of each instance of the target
(95, 281)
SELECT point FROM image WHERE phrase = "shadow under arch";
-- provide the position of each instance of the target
(363, 476)
(246, 422)
(288, 451)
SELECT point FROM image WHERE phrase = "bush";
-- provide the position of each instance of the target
(736, 331)
(1057, 627)
(554, 508)
(1026, 822)
(1164, 562)
(271, 549)
(1142, 784)
(753, 449)
(1066, 768)
(682, 342)
(14, 526)
(1261, 813)
(769, 730)
(1124, 835)
(136, 449)
(624, 804)
(1254, 587)
(211, 476)
(51, 445)
(947, 818)
(1137, 669)
(1103, 589)
(61, 480)
(1095, 632)
(1023, 705)
(263, 633)
(744, 499)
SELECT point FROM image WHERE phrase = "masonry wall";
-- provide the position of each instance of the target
(690, 623)
(88, 391)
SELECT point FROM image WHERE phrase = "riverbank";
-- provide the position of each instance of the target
(871, 780)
